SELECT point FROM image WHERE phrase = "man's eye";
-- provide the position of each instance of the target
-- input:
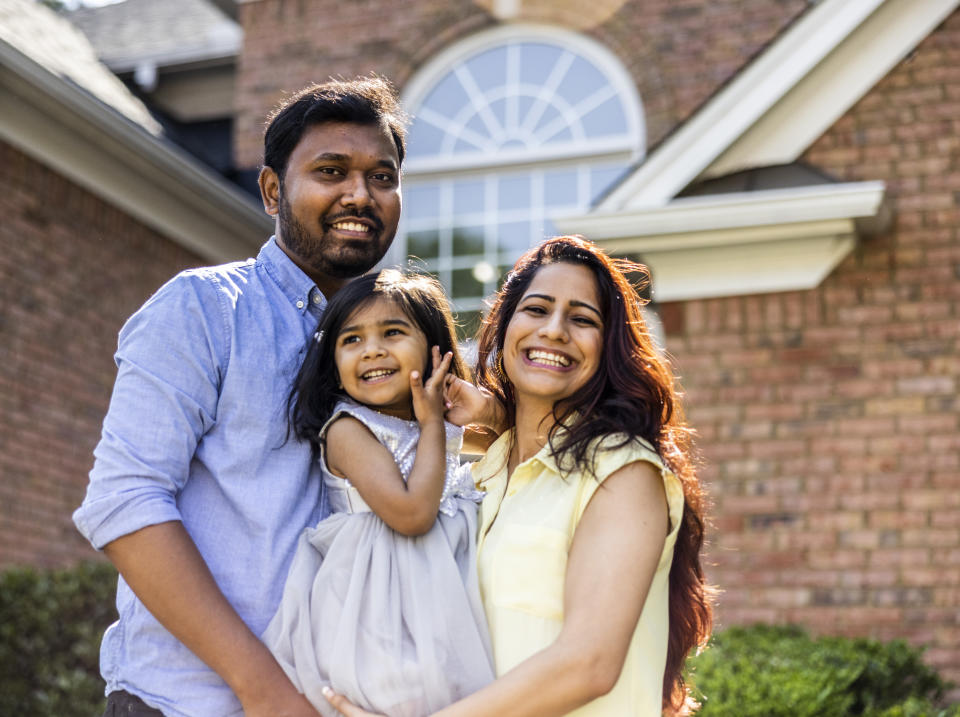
(329, 170)
(384, 177)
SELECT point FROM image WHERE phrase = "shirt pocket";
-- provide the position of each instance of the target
(529, 570)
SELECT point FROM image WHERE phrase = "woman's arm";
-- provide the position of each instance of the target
(353, 452)
(612, 561)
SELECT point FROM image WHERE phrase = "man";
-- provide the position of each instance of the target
(196, 494)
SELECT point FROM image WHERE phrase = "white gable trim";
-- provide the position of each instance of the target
(742, 243)
(765, 82)
(812, 106)
(90, 143)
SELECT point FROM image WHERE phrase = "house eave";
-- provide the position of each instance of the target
(742, 243)
(117, 159)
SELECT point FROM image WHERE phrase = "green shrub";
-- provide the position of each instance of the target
(51, 623)
(767, 671)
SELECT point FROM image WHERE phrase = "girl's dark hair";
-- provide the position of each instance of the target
(632, 394)
(422, 300)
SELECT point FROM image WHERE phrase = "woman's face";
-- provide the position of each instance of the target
(554, 339)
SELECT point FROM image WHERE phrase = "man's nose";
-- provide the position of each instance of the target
(356, 193)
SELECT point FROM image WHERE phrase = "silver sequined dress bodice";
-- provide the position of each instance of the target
(400, 437)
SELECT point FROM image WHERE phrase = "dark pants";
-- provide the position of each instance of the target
(123, 704)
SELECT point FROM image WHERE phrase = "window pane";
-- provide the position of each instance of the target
(581, 80)
(424, 139)
(537, 61)
(513, 235)
(489, 69)
(513, 192)
(464, 284)
(467, 240)
(421, 202)
(468, 197)
(448, 97)
(425, 244)
(560, 188)
(603, 177)
(606, 119)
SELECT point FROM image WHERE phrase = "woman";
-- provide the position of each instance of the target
(591, 530)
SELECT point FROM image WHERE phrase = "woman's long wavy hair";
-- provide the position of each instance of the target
(633, 394)
(317, 390)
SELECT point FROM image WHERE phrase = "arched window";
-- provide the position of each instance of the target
(511, 127)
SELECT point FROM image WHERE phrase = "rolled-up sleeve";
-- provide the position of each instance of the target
(170, 360)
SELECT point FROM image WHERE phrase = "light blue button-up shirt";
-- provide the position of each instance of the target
(196, 432)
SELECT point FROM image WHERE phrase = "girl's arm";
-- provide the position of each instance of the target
(353, 452)
(612, 561)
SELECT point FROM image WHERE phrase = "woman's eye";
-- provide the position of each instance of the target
(533, 309)
(584, 321)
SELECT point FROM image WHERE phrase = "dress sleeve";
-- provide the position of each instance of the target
(610, 460)
(170, 361)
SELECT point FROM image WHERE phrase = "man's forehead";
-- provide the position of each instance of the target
(343, 140)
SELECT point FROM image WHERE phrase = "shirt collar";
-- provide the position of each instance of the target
(299, 288)
(498, 454)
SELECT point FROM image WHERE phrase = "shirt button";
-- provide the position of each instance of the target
(317, 299)
(299, 304)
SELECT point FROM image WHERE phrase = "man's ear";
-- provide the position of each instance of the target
(269, 191)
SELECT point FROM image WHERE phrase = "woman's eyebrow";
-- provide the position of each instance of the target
(574, 302)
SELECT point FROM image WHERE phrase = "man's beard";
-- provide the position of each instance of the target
(318, 254)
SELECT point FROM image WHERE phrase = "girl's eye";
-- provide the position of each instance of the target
(348, 340)
(393, 332)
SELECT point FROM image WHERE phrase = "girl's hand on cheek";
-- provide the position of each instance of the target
(428, 403)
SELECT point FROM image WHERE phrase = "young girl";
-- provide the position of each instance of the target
(381, 602)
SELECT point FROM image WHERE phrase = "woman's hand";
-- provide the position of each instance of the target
(346, 706)
(467, 404)
(428, 398)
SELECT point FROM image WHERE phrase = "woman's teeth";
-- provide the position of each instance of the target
(548, 358)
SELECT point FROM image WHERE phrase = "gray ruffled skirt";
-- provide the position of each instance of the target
(392, 622)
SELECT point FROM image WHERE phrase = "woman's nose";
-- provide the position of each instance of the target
(554, 328)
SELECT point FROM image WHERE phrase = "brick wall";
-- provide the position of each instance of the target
(830, 419)
(678, 51)
(72, 268)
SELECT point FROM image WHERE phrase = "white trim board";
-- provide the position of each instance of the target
(741, 243)
(88, 142)
(824, 38)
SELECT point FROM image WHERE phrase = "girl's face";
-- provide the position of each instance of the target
(554, 340)
(376, 350)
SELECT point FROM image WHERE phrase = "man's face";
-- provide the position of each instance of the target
(338, 203)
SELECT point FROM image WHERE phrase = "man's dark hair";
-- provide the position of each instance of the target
(365, 100)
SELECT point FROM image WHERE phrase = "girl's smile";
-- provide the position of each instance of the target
(376, 350)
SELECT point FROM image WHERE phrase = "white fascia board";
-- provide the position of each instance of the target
(710, 214)
(812, 106)
(153, 181)
(728, 115)
(736, 244)
(741, 270)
